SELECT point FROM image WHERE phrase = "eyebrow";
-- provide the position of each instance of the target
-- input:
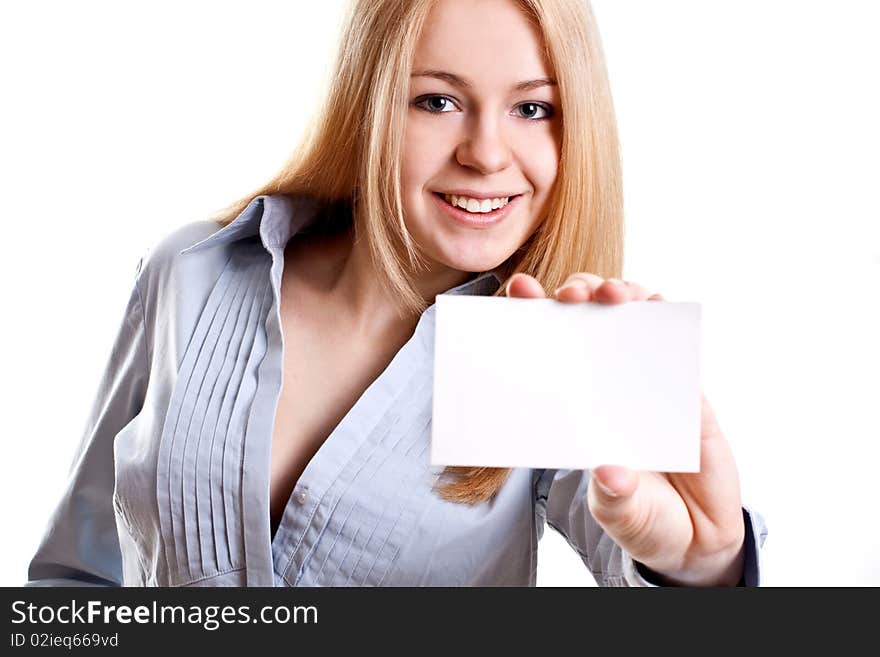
(462, 83)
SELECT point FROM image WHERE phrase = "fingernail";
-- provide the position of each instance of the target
(603, 487)
(616, 281)
(575, 284)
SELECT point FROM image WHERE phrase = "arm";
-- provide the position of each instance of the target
(561, 501)
(80, 546)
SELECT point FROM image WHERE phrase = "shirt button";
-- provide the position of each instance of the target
(300, 497)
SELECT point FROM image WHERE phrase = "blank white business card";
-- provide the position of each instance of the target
(543, 384)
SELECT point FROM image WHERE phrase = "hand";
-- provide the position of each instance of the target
(685, 527)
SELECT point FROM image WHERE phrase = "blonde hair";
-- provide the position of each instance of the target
(351, 153)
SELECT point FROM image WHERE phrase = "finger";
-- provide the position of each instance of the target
(637, 292)
(656, 297)
(614, 502)
(524, 286)
(578, 287)
(615, 481)
(591, 280)
(641, 512)
(613, 291)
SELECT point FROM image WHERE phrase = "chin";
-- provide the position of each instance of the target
(472, 257)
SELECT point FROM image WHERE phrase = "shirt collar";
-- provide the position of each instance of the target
(274, 217)
(278, 217)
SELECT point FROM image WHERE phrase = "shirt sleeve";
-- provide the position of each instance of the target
(561, 502)
(80, 546)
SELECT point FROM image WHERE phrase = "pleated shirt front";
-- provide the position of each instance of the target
(170, 482)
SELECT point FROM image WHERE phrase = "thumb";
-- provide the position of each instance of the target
(613, 501)
(615, 481)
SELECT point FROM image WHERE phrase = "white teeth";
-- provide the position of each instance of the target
(476, 206)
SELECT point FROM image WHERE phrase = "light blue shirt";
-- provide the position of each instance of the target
(170, 482)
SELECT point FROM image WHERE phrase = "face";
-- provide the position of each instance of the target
(470, 129)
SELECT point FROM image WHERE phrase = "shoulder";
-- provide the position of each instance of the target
(166, 251)
(163, 271)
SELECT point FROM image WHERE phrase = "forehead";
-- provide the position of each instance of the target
(491, 42)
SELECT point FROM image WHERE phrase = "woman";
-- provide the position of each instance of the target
(265, 415)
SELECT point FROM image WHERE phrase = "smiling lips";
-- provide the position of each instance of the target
(496, 208)
(476, 205)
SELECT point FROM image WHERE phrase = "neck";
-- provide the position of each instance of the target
(343, 271)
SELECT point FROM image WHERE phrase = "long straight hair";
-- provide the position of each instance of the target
(351, 153)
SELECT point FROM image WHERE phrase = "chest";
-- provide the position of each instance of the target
(326, 370)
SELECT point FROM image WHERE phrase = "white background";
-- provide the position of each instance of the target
(750, 150)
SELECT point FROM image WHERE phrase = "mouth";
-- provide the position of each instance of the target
(476, 213)
(473, 205)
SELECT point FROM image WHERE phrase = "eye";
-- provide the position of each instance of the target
(537, 107)
(436, 104)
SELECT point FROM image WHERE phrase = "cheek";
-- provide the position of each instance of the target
(542, 165)
(423, 153)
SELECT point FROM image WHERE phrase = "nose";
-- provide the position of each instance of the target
(484, 147)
